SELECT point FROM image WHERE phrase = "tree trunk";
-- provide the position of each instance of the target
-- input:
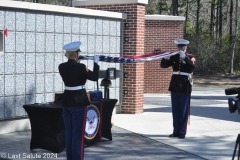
(217, 19)
(220, 20)
(235, 38)
(175, 7)
(212, 18)
(231, 21)
(186, 15)
(197, 19)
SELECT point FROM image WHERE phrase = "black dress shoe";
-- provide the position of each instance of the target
(181, 136)
(173, 135)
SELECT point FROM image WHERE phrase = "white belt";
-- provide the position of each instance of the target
(182, 73)
(74, 88)
(185, 74)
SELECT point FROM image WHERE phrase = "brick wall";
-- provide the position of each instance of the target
(133, 101)
(159, 34)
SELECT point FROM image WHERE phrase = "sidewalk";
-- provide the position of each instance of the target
(212, 131)
(211, 135)
(125, 146)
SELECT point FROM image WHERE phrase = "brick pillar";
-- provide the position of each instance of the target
(133, 101)
(160, 32)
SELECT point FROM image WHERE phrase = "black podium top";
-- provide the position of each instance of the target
(39, 105)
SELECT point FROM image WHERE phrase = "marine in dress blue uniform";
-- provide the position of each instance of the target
(75, 100)
(180, 86)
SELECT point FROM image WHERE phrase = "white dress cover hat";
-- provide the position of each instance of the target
(73, 46)
(181, 41)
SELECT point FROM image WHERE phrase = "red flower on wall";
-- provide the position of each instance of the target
(5, 32)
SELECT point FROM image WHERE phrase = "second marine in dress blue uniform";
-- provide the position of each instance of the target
(180, 87)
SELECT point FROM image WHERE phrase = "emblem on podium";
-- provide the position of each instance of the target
(92, 122)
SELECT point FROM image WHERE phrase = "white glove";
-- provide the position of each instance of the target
(96, 58)
(182, 54)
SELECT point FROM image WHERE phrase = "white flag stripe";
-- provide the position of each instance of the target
(109, 59)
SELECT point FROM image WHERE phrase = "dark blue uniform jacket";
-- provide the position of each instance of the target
(76, 74)
(179, 83)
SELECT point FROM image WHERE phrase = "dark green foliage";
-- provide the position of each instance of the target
(212, 55)
(210, 27)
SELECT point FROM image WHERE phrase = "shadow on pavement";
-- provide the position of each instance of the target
(203, 111)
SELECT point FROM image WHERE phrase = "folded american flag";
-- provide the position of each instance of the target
(130, 59)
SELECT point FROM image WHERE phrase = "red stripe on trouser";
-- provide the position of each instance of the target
(188, 114)
(100, 125)
(83, 133)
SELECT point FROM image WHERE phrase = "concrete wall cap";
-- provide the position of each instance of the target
(105, 2)
(165, 17)
(60, 9)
